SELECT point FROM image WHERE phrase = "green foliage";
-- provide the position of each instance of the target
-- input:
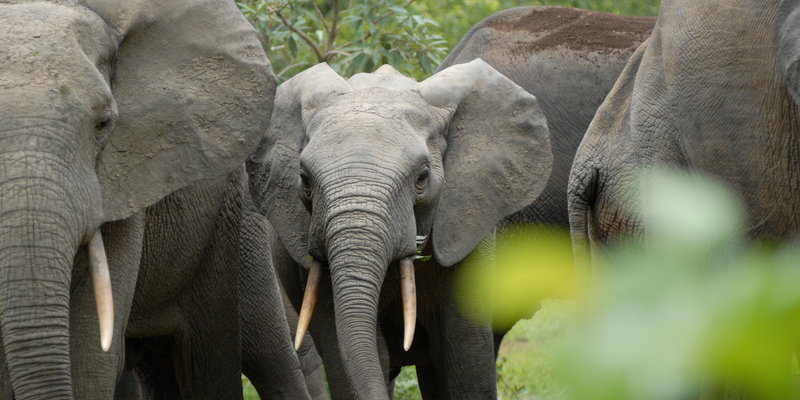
(695, 311)
(532, 263)
(526, 366)
(248, 391)
(405, 385)
(351, 36)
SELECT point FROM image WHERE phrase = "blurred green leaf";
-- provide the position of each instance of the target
(529, 264)
(692, 311)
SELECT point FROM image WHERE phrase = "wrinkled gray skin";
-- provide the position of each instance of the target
(267, 355)
(106, 109)
(714, 90)
(310, 361)
(569, 59)
(350, 171)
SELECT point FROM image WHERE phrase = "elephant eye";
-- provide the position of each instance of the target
(305, 184)
(422, 179)
(105, 123)
(102, 125)
(305, 191)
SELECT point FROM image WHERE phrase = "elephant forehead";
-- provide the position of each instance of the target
(377, 104)
(354, 128)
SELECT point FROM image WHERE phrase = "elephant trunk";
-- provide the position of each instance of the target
(35, 271)
(357, 272)
(46, 213)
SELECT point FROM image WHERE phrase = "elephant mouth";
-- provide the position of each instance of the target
(408, 290)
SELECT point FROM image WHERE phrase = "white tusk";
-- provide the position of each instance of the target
(101, 279)
(309, 302)
(408, 291)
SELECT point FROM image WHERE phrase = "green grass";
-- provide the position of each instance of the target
(525, 367)
(248, 390)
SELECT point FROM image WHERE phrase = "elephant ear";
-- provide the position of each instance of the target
(274, 168)
(789, 46)
(194, 91)
(498, 156)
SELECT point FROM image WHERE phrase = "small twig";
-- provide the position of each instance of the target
(321, 15)
(408, 3)
(287, 68)
(332, 33)
(338, 52)
(302, 35)
(350, 43)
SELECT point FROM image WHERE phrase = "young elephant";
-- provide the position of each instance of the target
(714, 89)
(569, 58)
(352, 173)
(107, 108)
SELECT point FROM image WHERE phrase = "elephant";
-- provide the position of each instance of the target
(714, 90)
(267, 357)
(121, 126)
(569, 59)
(356, 177)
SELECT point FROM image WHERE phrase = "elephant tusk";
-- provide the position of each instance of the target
(101, 279)
(409, 292)
(309, 302)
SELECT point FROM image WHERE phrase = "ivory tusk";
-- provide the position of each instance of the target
(409, 292)
(309, 302)
(101, 279)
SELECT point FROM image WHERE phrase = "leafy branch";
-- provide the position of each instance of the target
(350, 36)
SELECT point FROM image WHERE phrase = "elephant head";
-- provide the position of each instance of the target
(105, 108)
(351, 173)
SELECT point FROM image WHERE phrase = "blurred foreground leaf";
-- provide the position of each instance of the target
(694, 312)
(531, 263)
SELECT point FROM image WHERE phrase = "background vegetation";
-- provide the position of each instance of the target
(355, 36)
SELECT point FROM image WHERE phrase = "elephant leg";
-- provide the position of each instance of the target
(128, 386)
(462, 351)
(310, 361)
(322, 325)
(208, 343)
(497, 338)
(95, 372)
(268, 357)
(154, 367)
(429, 382)
(323, 328)
(466, 366)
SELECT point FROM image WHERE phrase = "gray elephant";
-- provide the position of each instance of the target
(107, 108)
(267, 356)
(356, 175)
(569, 59)
(715, 90)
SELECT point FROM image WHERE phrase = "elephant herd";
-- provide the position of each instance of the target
(167, 211)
